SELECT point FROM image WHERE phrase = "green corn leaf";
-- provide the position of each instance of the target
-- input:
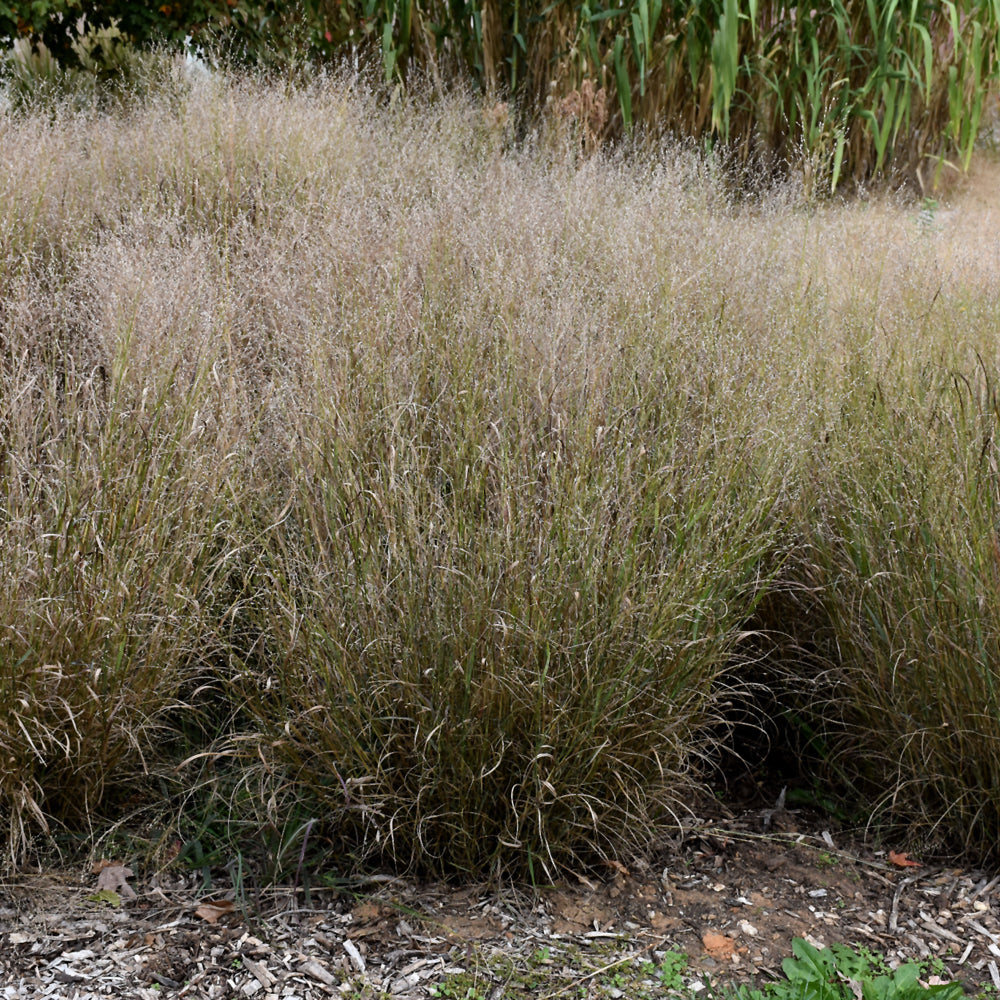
(725, 62)
(928, 48)
(623, 82)
(655, 9)
(838, 158)
(593, 48)
(388, 51)
(641, 42)
(638, 40)
(405, 21)
(695, 52)
(890, 123)
(956, 29)
(604, 15)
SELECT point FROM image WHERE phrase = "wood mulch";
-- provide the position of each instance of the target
(729, 893)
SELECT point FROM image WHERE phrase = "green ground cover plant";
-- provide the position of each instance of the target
(840, 972)
(374, 483)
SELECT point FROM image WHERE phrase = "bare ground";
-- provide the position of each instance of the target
(729, 893)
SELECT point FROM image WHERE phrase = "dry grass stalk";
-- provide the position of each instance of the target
(586, 113)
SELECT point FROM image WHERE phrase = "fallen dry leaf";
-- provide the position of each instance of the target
(903, 860)
(211, 909)
(372, 918)
(470, 927)
(111, 877)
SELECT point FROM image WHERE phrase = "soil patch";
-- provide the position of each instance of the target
(729, 893)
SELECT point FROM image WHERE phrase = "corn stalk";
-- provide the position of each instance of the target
(866, 88)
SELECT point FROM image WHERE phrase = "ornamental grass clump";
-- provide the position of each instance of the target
(504, 618)
(370, 477)
(112, 535)
(903, 569)
(505, 592)
(127, 458)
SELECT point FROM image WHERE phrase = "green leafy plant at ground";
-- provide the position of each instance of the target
(668, 971)
(457, 988)
(840, 973)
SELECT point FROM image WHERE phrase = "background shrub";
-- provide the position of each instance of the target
(835, 91)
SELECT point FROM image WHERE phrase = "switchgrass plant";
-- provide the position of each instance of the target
(111, 530)
(423, 491)
(498, 602)
(832, 91)
(903, 569)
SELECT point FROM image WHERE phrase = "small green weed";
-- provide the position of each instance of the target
(668, 971)
(840, 973)
(928, 211)
(461, 986)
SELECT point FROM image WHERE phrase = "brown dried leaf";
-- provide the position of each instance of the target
(211, 909)
(111, 877)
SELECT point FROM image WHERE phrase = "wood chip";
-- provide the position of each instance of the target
(994, 973)
(354, 955)
(983, 888)
(259, 972)
(317, 971)
(977, 926)
(303, 951)
(894, 912)
(940, 932)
